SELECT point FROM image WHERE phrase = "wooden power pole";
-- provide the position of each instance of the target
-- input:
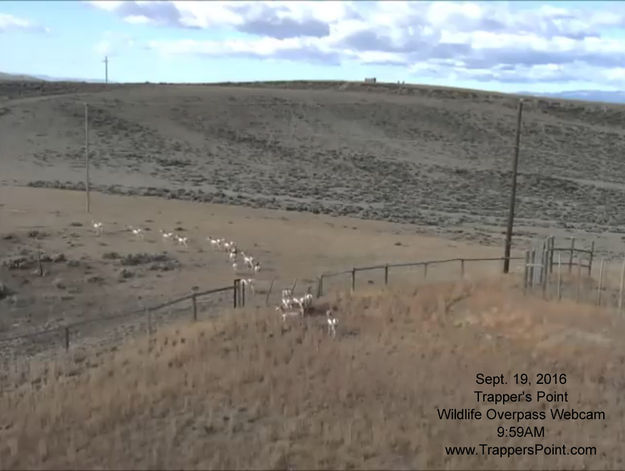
(106, 69)
(515, 165)
(87, 156)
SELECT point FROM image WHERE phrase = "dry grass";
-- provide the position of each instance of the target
(243, 391)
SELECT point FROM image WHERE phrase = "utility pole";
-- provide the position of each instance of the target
(87, 157)
(106, 69)
(515, 165)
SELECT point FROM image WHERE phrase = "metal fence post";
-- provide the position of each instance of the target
(386, 274)
(532, 262)
(194, 300)
(66, 338)
(353, 279)
(544, 269)
(462, 268)
(526, 271)
(600, 285)
(234, 292)
(571, 256)
(551, 250)
(579, 282)
(559, 276)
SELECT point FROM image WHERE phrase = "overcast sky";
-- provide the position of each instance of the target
(506, 46)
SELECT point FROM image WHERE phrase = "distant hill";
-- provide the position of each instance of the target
(44, 78)
(22, 77)
(585, 95)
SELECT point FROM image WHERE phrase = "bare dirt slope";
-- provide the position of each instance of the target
(245, 392)
(435, 157)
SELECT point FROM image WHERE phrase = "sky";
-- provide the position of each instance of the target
(503, 46)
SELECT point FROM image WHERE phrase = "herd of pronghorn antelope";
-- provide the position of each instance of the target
(290, 306)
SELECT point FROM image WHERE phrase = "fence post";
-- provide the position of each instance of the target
(462, 268)
(194, 300)
(544, 269)
(532, 262)
(579, 282)
(66, 338)
(235, 289)
(242, 286)
(526, 271)
(353, 279)
(425, 271)
(293, 287)
(551, 247)
(620, 293)
(149, 315)
(386, 274)
(87, 158)
(600, 285)
(541, 264)
(571, 256)
(559, 276)
(39, 264)
(592, 251)
(269, 292)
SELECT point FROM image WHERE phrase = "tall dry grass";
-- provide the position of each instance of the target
(244, 391)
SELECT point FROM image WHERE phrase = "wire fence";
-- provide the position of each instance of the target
(542, 268)
(111, 329)
(566, 271)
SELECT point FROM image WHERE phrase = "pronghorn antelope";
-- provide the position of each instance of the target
(166, 235)
(181, 240)
(214, 242)
(97, 227)
(249, 282)
(332, 322)
(137, 231)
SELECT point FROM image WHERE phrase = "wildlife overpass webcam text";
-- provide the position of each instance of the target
(520, 416)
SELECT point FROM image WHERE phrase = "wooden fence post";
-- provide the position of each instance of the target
(571, 256)
(592, 251)
(40, 265)
(87, 183)
(235, 289)
(242, 287)
(149, 316)
(353, 279)
(600, 285)
(462, 268)
(194, 300)
(620, 292)
(66, 338)
(269, 292)
(425, 271)
(386, 274)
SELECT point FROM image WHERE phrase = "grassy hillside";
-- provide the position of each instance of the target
(433, 156)
(244, 391)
